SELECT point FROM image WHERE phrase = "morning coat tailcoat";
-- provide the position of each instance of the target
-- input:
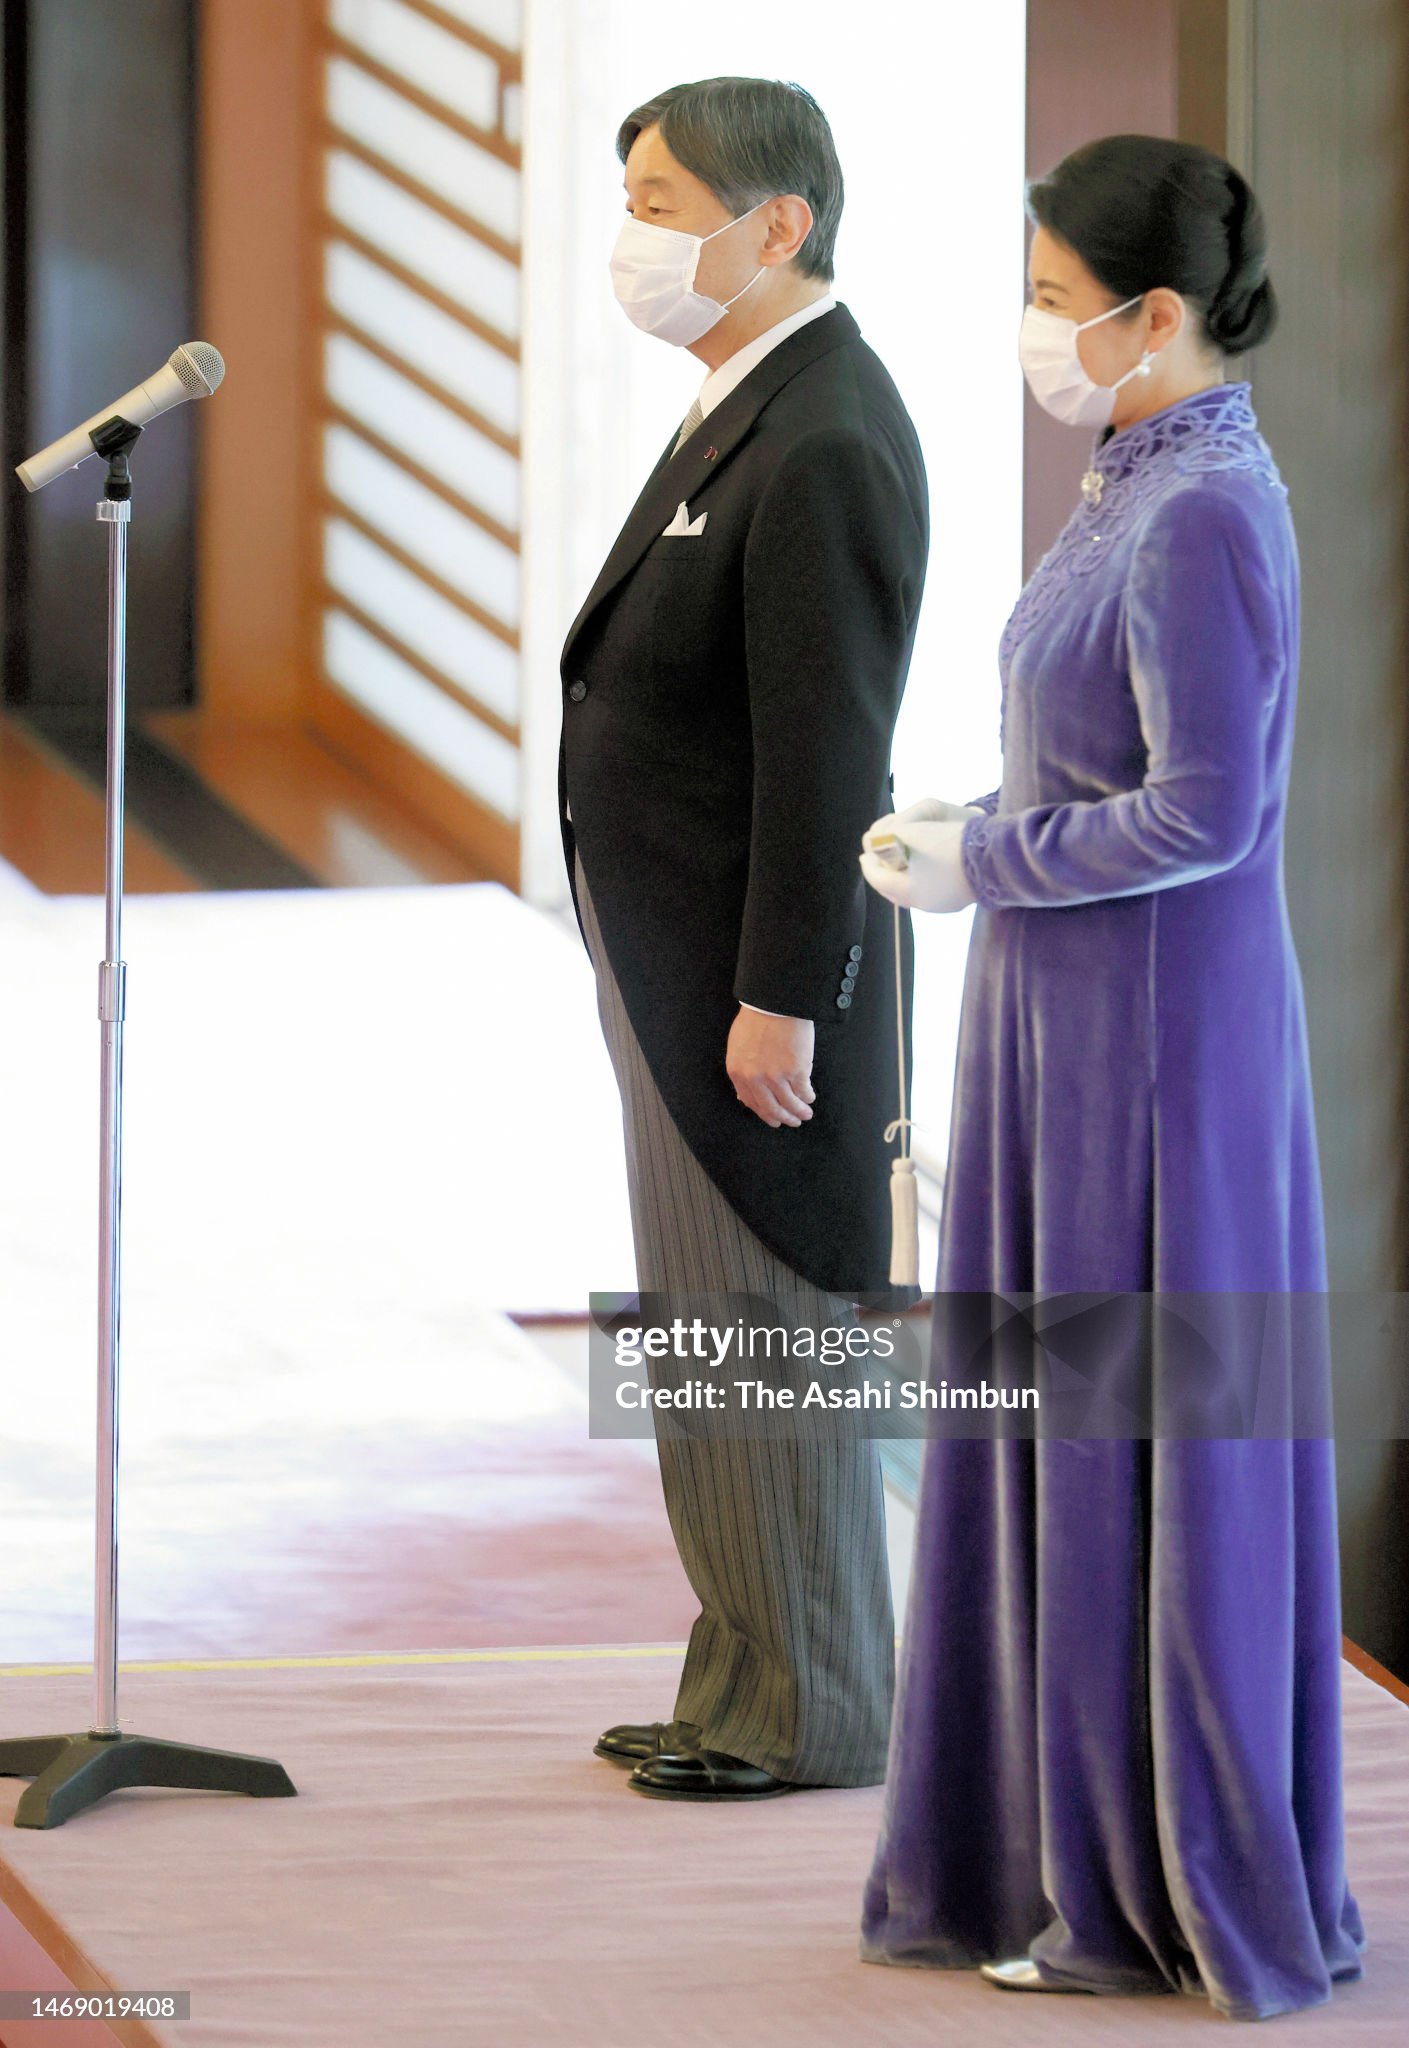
(729, 697)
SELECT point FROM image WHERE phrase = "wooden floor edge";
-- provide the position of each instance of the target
(37, 1953)
(1367, 1666)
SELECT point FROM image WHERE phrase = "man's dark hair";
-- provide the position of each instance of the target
(749, 139)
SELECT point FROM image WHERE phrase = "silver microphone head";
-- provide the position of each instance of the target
(199, 366)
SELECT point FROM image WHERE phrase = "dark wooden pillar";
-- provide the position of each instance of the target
(99, 288)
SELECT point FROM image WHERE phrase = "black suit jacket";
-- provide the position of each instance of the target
(728, 705)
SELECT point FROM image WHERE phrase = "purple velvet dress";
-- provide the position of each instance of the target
(1116, 1742)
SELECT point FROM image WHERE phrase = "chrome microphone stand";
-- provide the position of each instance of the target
(72, 1772)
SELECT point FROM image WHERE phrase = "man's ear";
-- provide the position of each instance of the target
(789, 225)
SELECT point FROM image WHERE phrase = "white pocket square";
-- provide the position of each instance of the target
(683, 523)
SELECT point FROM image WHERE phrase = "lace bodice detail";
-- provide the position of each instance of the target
(1212, 430)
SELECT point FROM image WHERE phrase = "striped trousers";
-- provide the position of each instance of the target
(790, 1664)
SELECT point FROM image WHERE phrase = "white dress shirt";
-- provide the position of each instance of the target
(719, 383)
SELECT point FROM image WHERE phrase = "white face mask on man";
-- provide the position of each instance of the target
(653, 273)
(1056, 374)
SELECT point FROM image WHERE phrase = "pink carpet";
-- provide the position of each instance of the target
(304, 1532)
(459, 1869)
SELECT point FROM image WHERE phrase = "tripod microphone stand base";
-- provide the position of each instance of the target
(72, 1772)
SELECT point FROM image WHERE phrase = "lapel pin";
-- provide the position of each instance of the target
(710, 454)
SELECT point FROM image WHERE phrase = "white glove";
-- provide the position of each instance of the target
(930, 809)
(929, 833)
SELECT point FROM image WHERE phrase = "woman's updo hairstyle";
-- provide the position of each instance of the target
(1141, 211)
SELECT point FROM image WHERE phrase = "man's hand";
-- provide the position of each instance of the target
(769, 1061)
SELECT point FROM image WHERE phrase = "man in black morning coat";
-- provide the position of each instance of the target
(730, 688)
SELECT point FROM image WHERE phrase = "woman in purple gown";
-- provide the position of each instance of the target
(1115, 1761)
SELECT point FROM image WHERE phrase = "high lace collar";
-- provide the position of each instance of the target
(1211, 430)
(1221, 409)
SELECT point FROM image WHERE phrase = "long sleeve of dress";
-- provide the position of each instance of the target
(1206, 655)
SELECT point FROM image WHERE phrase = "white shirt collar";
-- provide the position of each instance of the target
(719, 383)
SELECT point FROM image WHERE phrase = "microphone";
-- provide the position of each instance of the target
(191, 371)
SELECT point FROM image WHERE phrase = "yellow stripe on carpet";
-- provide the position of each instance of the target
(356, 1663)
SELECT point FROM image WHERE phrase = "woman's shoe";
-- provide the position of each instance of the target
(1020, 1973)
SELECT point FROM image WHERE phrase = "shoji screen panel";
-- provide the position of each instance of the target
(416, 389)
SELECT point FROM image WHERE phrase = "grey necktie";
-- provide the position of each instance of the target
(687, 426)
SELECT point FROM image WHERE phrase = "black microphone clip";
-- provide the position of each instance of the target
(115, 439)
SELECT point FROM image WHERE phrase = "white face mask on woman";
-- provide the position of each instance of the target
(653, 272)
(1056, 374)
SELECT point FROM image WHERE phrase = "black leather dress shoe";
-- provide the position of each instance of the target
(1020, 1973)
(690, 1771)
(632, 1742)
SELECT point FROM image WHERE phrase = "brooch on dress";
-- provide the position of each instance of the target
(1092, 485)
